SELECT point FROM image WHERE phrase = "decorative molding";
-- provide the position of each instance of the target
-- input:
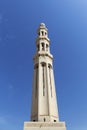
(42, 124)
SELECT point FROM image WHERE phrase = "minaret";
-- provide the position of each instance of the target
(44, 104)
(44, 110)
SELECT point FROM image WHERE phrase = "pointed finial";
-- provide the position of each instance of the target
(42, 24)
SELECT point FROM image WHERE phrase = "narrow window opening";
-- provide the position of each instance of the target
(54, 120)
(33, 120)
(43, 79)
(44, 119)
(42, 33)
(50, 79)
(42, 46)
(46, 47)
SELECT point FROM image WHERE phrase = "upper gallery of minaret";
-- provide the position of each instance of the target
(42, 41)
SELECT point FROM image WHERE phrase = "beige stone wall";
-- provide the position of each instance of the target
(44, 126)
(44, 103)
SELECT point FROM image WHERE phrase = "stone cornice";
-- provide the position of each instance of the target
(42, 54)
(44, 124)
(42, 38)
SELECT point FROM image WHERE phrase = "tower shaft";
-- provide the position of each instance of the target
(44, 103)
(44, 111)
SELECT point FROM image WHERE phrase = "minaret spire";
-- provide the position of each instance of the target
(44, 104)
(44, 111)
(42, 40)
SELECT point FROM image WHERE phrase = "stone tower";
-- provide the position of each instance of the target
(44, 111)
(44, 104)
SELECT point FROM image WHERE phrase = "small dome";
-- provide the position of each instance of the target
(42, 24)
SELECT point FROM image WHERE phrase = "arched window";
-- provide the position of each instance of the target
(43, 76)
(43, 63)
(49, 66)
(45, 33)
(43, 46)
(42, 33)
(46, 47)
(50, 78)
(44, 119)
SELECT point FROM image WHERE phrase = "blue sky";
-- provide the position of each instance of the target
(67, 24)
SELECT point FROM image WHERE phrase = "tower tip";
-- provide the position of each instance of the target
(42, 24)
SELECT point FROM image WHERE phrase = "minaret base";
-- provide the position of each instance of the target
(44, 126)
